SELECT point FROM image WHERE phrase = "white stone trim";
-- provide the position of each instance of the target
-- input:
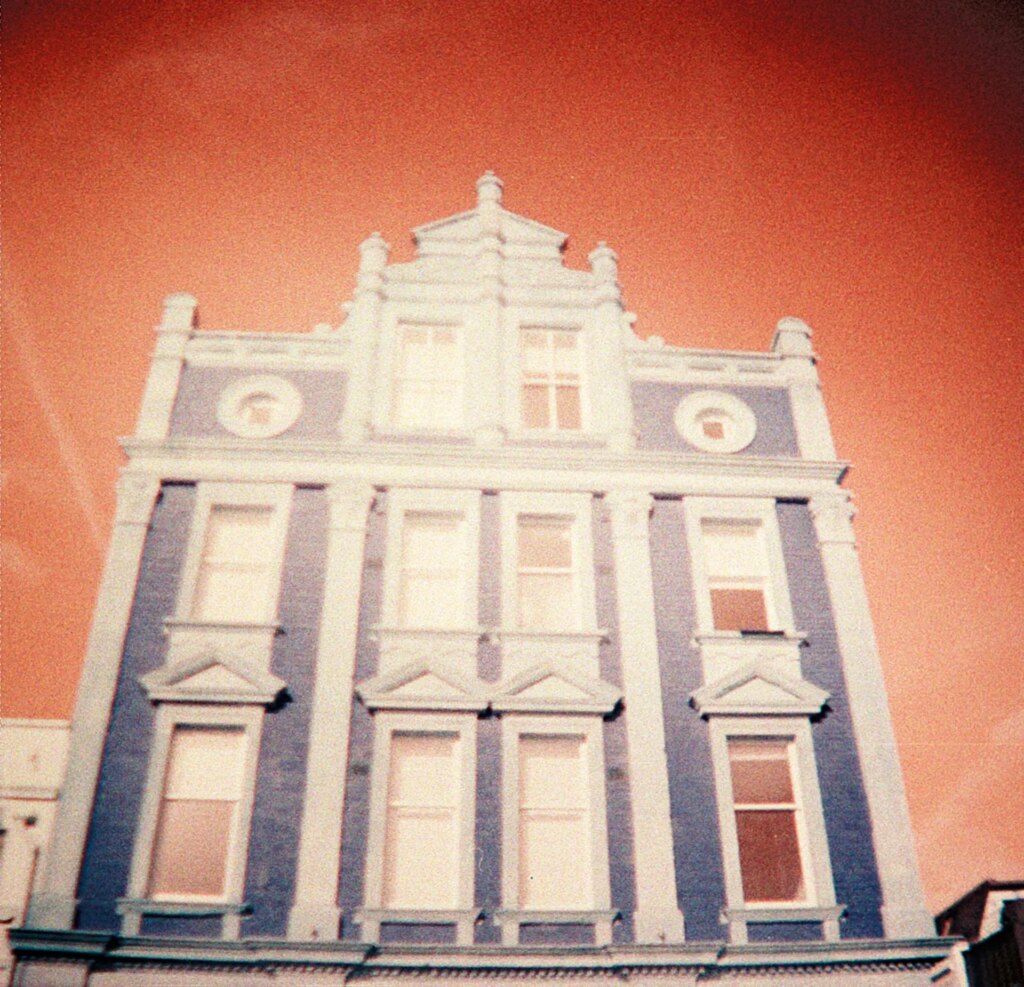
(287, 412)
(513, 726)
(401, 502)
(54, 905)
(213, 678)
(315, 913)
(698, 509)
(441, 688)
(813, 839)
(169, 716)
(690, 409)
(904, 913)
(567, 692)
(386, 724)
(658, 917)
(209, 495)
(161, 391)
(759, 689)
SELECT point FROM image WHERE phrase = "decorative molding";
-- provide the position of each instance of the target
(758, 689)
(833, 516)
(212, 678)
(550, 688)
(282, 414)
(350, 503)
(424, 685)
(630, 512)
(191, 641)
(739, 424)
(136, 495)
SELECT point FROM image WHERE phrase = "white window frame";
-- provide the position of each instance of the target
(403, 502)
(248, 719)
(278, 497)
(819, 903)
(391, 351)
(761, 511)
(590, 730)
(577, 509)
(373, 913)
(584, 378)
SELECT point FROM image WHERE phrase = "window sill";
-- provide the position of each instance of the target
(754, 638)
(542, 646)
(739, 918)
(464, 920)
(195, 908)
(510, 921)
(557, 437)
(185, 624)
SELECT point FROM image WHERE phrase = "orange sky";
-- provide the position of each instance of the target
(860, 168)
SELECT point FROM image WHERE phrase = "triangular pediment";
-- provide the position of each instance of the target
(759, 689)
(466, 227)
(212, 679)
(423, 685)
(546, 687)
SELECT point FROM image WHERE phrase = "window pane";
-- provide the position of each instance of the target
(191, 849)
(430, 600)
(205, 763)
(420, 862)
(237, 533)
(567, 407)
(535, 406)
(446, 401)
(428, 538)
(713, 428)
(554, 862)
(769, 856)
(232, 594)
(233, 582)
(565, 353)
(761, 781)
(430, 594)
(551, 773)
(739, 610)
(733, 549)
(412, 403)
(414, 351)
(545, 543)
(546, 602)
(422, 770)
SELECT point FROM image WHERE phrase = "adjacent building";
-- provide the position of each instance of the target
(990, 917)
(476, 638)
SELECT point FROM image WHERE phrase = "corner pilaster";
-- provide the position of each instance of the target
(180, 317)
(487, 371)
(53, 907)
(658, 917)
(904, 913)
(613, 366)
(792, 341)
(315, 913)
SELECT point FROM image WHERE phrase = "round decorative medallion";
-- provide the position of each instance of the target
(715, 421)
(259, 407)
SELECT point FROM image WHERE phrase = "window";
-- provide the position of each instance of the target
(431, 585)
(737, 575)
(555, 870)
(769, 828)
(546, 576)
(715, 421)
(235, 569)
(551, 396)
(422, 826)
(197, 822)
(428, 378)
(259, 407)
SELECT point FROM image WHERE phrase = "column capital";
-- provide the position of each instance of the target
(181, 313)
(136, 495)
(629, 510)
(833, 516)
(350, 502)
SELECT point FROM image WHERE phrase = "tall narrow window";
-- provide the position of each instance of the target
(421, 841)
(555, 869)
(768, 824)
(198, 816)
(551, 396)
(546, 574)
(737, 574)
(431, 590)
(236, 567)
(428, 378)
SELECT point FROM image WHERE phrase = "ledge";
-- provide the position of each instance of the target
(195, 909)
(784, 913)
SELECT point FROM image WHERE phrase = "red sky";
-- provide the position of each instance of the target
(858, 167)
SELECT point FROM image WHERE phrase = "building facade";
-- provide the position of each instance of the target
(478, 639)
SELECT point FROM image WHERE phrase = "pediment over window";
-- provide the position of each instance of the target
(759, 689)
(547, 688)
(212, 679)
(423, 685)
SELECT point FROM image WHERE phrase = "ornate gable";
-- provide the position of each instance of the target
(424, 685)
(547, 688)
(212, 678)
(759, 689)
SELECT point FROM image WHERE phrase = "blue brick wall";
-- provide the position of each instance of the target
(621, 862)
(200, 388)
(281, 773)
(356, 822)
(104, 874)
(654, 405)
(696, 838)
(854, 869)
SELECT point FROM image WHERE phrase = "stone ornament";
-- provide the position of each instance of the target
(714, 421)
(259, 407)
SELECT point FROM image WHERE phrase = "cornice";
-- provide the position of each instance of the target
(456, 961)
(436, 464)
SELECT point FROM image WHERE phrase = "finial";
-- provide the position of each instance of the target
(373, 253)
(792, 337)
(604, 262)
(488, 188)
(180, 311)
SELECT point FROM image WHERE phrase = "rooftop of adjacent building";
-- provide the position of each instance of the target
(979, 913)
